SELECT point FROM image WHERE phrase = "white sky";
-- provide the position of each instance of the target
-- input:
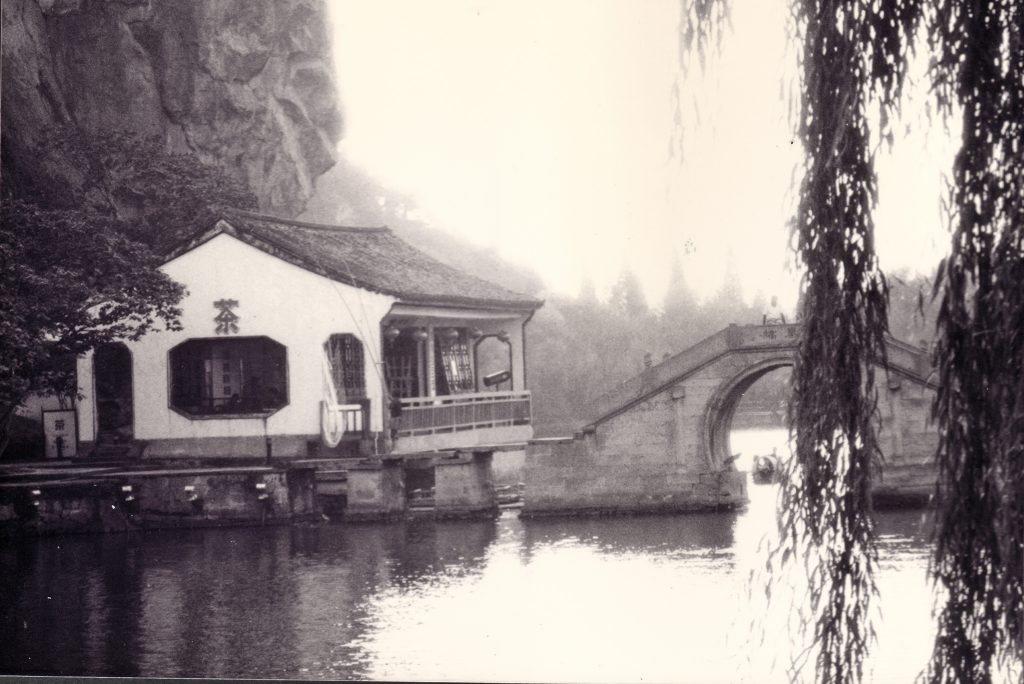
(541, 128)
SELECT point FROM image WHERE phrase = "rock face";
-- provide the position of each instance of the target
(243, 84)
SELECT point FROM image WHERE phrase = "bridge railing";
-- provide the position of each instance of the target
(740, 336)
(781, 338)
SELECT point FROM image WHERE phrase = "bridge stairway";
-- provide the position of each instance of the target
(657, 378)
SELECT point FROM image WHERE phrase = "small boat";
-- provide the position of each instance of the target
(766, 469)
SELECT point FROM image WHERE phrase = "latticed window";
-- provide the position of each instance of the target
(455, 365)
(401, 367)
(348, 369)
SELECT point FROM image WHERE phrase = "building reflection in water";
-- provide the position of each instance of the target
(217, 603)
(656, 597)
(64, 598)
(220, 602)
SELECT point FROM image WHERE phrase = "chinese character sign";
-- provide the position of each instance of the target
(226, 320)
(59, 430)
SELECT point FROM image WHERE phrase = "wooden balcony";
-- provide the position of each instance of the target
(462, 412)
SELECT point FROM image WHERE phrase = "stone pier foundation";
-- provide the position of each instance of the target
(570, 476)
(464, 486)
(376, 491)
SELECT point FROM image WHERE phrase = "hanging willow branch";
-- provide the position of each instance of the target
(854, 52)
(851, 51)
(700, 30)
(979, 556)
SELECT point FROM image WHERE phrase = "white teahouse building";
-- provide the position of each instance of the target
(300, 339)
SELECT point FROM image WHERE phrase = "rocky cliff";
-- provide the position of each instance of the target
(243, 84)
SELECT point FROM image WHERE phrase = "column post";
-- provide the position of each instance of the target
(431, 371)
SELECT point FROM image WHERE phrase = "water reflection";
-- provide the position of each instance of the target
(56, 593)
(660, 598)
(706, 533)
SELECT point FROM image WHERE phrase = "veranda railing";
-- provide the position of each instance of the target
(451, 413)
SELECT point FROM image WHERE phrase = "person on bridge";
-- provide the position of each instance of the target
(773, 315)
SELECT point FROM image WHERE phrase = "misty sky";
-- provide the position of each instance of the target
(542, 128)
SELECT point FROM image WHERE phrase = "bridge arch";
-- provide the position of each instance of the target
(722, 405)
(660, 440)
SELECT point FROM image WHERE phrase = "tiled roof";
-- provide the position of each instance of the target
(370, 258)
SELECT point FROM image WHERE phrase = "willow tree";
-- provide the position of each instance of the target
(853, 62)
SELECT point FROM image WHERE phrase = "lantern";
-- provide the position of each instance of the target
(475, 333)
(391, 333)
(451, 334)
(503, 336)
(420, 335)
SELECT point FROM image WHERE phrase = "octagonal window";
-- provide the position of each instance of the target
(224, 377)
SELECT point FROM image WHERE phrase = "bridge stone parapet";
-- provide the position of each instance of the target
(660, 441)
(762, 336)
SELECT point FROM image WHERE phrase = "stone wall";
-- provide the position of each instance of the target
(136, 500)
(376, 491)
(574, 476)
(908, 440)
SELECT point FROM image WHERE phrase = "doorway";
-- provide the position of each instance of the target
(112, 370)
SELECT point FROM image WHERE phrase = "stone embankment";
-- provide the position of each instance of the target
(65, 498)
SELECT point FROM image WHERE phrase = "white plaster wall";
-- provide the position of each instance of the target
(290, 305)
(86, 405)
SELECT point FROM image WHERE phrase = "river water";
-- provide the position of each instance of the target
(658, 598)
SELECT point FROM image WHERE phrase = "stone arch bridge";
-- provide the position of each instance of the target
(660, 441)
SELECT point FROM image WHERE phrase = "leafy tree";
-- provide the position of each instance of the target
(158, 195)
(79, 246)
(854, 56)
(70, 280)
